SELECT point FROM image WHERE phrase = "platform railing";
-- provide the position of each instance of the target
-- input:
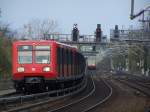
(58, 93)
(137, 35)
(68, 37)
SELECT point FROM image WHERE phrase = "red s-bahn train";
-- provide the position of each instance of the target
(45, 65)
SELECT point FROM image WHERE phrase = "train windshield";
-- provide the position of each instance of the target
(24, 54)
(42, 54)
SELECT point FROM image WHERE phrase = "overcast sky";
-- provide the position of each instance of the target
(86, 13)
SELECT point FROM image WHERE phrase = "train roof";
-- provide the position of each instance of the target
(33, 41)
(43, 41)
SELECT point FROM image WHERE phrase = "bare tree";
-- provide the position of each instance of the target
(36, 28)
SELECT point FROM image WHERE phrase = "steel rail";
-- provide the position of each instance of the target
(76, 101)
(135, 86)
(139, 83)
(93, 106)
(104, 100)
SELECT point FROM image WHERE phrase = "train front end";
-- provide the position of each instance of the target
(33, 64)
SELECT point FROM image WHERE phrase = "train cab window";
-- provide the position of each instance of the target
(42, 54)
(24, 54)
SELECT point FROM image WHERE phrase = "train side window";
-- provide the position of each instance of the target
(81, 63)
(58, 60)
(63, 61)
(70, 62)
(78, 63)
(75, 63)
(67, 62)
(80, 58)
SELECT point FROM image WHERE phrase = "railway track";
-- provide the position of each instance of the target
(20, 103)
(136, 85)
(78, 101)
(143, 84)
(144, 80)
(90, 101)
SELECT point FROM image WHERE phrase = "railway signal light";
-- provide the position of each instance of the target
(98, 33)
(116, 32)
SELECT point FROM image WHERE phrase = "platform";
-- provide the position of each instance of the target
(8, 91)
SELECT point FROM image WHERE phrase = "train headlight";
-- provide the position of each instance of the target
(20, 69)
(46, 69)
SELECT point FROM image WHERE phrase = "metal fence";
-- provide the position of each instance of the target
(68, 37)
(138, 34)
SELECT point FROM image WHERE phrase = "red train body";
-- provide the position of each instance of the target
(45, 64)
